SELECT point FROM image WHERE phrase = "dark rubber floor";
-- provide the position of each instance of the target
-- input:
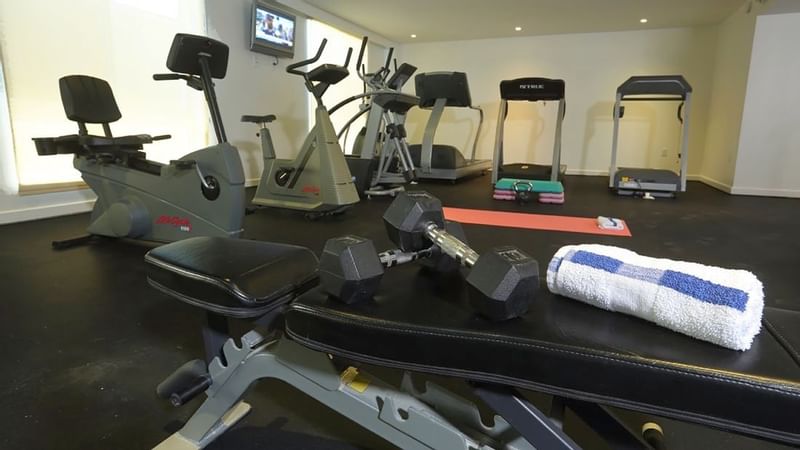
(84, 340)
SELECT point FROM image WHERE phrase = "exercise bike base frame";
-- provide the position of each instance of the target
(318, 180)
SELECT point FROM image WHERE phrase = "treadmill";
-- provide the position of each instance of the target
(656, 182)
(436, 91)
(530, 90)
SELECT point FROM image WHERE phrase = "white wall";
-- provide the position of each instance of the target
(593, 65)
(768, 159)
(729, 83)
(254, 85)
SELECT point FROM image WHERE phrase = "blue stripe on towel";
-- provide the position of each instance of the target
(594, 260)
(684, 283)
(704, 290)
(555, 263)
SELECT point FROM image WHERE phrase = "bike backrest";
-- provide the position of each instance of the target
(184, 55)
(88, 99)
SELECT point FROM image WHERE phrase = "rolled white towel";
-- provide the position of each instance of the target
(722, 306)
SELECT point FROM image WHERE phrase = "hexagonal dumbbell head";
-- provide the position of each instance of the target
(349, 269)
(503, 283)
(406, 217)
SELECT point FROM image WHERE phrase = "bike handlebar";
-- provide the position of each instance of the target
(347, 59)
(167, 76)
(292, 68)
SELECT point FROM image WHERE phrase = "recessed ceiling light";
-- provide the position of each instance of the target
(643, 20)
(517, 28)
(413, 35)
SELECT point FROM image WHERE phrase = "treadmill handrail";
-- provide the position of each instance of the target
(477, 131)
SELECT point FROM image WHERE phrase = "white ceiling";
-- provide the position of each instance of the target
(445, 20)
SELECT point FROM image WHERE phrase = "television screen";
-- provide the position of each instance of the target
(272, 31)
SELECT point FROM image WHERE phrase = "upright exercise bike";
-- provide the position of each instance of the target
(381, 161)
(317, 180)
(200, 194)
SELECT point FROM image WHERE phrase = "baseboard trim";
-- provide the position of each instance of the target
(45, 212)
(588, 172)
(716, 184)
(765, 192)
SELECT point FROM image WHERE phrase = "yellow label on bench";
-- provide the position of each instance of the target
(351, 379)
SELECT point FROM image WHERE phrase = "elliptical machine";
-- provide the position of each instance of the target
(317, 180)
(200, 194)
(381, 162)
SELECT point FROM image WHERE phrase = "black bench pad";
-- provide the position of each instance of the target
(232, 277)
(563, 347)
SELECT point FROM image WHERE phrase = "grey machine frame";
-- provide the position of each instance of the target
(386, 110)
(318, 179)
(200, 194)
(472, 165)
(531, 90)
(656, 182)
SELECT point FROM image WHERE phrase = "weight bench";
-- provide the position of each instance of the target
(584, 357)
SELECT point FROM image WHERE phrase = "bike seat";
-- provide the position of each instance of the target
(132, 141)
(328, 73)
(75, 143)
(259, 119)
(232, 277)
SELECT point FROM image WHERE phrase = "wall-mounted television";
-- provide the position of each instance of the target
(272, 30)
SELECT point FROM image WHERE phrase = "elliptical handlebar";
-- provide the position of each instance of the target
(359, 66)
(388, 63)
(292, 68)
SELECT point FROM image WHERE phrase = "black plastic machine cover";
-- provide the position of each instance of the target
(532, 89)
(655, 85)
(450, 85)
(184, 52)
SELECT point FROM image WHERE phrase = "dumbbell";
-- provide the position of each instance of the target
(350, 268)
(502, 283)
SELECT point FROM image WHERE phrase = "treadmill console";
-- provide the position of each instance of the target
(532, 89)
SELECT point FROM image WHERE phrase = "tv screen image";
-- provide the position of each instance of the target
(274, 28)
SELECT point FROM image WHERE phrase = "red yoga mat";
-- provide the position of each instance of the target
(587, 225)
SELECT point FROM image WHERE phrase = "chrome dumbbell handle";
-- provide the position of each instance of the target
(451, 245)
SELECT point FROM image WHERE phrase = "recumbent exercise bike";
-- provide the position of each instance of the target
(200, 194)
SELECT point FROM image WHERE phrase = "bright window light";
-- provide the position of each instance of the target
(124, 42)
